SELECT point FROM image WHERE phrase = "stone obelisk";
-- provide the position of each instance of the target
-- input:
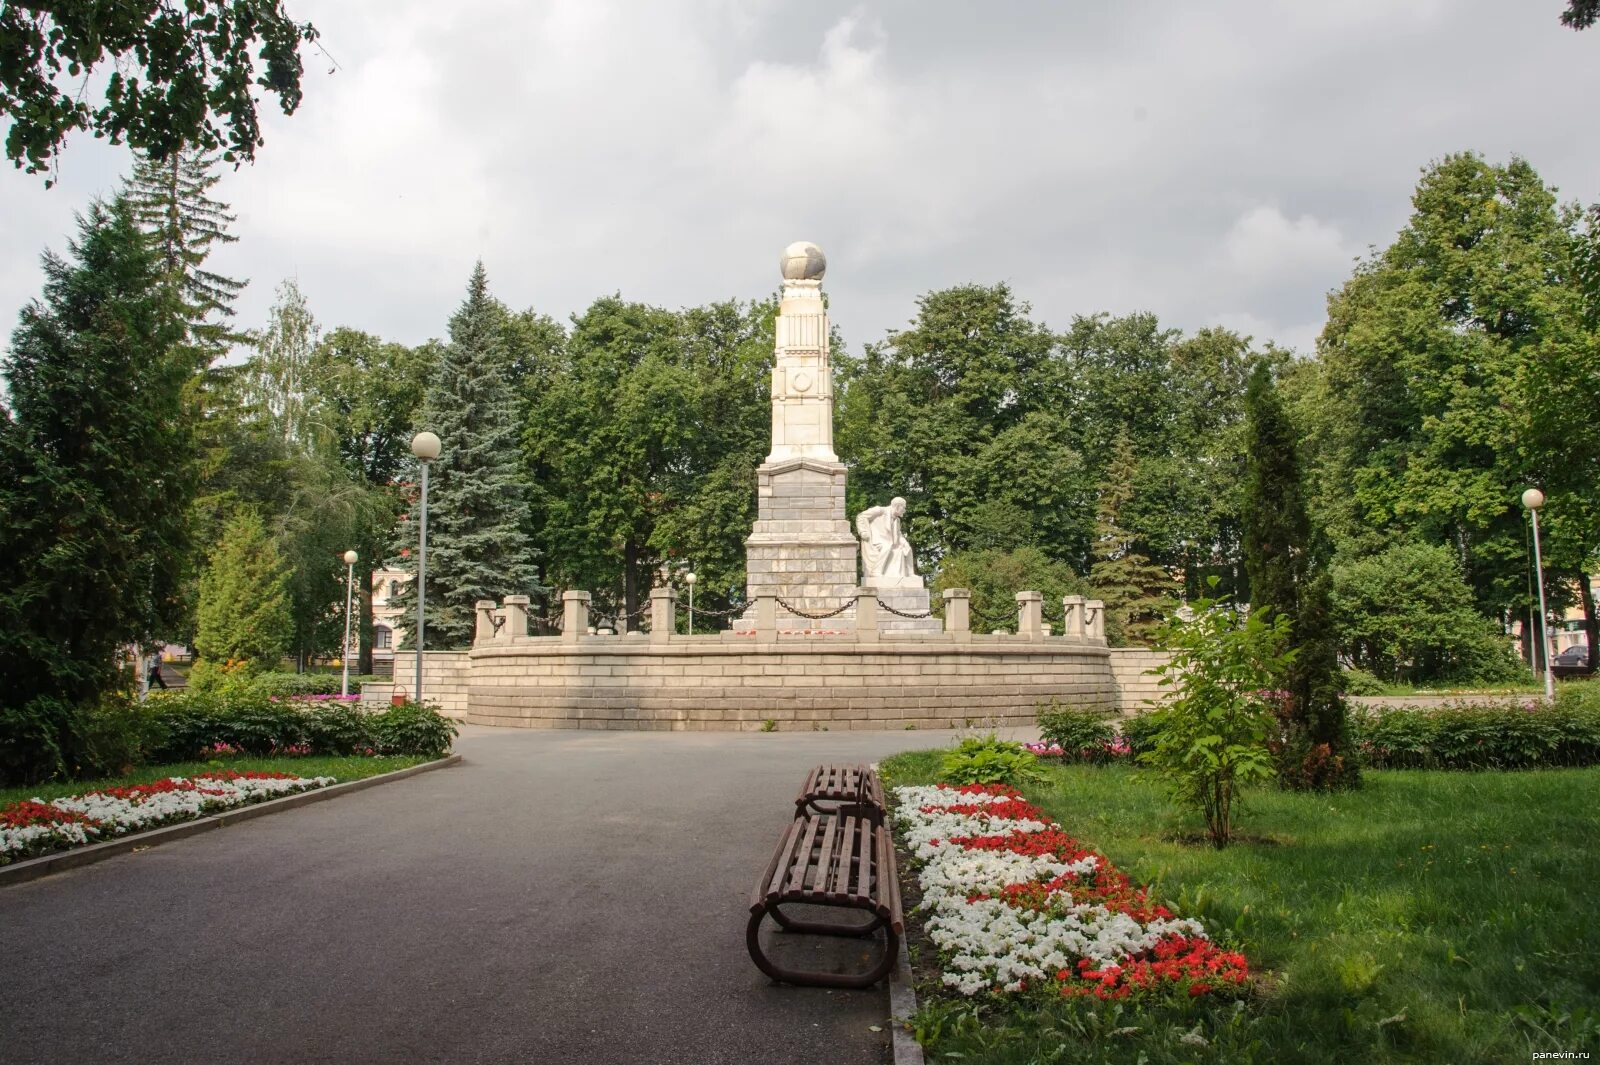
(802, 549)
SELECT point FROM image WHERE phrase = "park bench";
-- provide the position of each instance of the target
(839, 859)
(833, 789)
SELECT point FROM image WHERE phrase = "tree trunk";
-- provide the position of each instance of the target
(630, 583)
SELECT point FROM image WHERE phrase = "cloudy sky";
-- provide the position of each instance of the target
(1215, 163)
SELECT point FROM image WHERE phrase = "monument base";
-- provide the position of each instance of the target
(906, 600)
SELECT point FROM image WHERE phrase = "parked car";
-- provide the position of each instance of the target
(1574, 660)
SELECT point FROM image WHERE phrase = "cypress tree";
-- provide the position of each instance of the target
(478, 518)
(1136, 591)
(94, 500)
(1288, 577)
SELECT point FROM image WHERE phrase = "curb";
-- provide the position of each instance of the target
(902, 1005)
(903, 1001)
(34, 868)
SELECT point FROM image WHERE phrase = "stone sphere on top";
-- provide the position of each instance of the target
(803, 261)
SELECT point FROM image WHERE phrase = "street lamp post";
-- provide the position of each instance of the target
(349, 594)
(1533, 499)
(688, 578)
(426, 447)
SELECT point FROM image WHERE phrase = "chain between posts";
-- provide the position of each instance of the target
(905, 613)
(797, 612)
(994, 619)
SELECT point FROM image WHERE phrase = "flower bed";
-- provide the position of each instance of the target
(33, 827)
(1104, 750)
(1015, 904)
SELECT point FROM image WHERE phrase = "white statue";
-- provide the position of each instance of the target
(886, 559)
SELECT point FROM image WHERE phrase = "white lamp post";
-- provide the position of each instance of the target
(426, 447)
(689, 578)
(1533, 499)
(349, 594)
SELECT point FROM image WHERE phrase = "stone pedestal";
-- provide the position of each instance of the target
(802, 549)
(907, 600)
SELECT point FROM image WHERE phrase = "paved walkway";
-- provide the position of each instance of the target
(558, 897)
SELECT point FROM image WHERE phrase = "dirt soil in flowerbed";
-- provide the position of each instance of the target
(1427, 917)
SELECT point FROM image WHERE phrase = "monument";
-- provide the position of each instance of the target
(802, 549)
(838, 633)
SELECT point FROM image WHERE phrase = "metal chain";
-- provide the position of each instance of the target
(905, 613)
(994, 619)
(730, 612)
(797, 612)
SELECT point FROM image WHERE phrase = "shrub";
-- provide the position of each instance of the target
(1360, 682)
(1084, 733)
(1140, 732)
(412, 728)
(1407, 614)
(188, 722)
(989, 760)
(1522, 735)
(284, 685)
(339, 728)
(1213, 740)
(113, 737)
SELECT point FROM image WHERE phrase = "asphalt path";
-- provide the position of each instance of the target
(559, 896)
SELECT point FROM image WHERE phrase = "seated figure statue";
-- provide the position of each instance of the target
(886, 559)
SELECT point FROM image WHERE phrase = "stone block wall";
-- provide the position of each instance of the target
(444, 681)
(798, 683)
(1136, 689)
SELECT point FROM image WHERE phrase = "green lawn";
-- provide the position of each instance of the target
(1429, 917)
(342, 768)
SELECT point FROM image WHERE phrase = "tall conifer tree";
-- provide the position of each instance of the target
(94, 501)
(170, 201)
(1287, 570)
(1136, 591)
(478, 519)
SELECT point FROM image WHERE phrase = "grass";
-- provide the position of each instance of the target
(1428, 917)
(343, 769)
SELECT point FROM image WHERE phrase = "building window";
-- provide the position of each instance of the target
(382, 638)
(394, 589)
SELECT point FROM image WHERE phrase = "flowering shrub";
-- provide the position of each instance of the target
(33, 826)
(1102, 752)
(1016, 904)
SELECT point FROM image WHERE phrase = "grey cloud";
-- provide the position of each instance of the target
(1097, 157)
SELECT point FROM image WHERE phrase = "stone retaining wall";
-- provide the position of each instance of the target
(444, 681)
(796, 682)
(1136, 688)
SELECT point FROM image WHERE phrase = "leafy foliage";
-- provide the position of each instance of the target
(244, 598)
(180, 724)
(1083, 732)
(1404, 614)
(97, 452)
(1456, 369)
(199, 78)
(994, 577)
(988, 760)
(1214, 729)
(1485, 735)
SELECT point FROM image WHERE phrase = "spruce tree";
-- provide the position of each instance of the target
(244, 616)
(170, 202)
(1288, 578)
(94, 501)
(478, 518)
(1137, 593)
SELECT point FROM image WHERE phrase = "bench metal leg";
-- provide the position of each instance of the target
(811, 978)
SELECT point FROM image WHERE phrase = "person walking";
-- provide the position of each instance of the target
(153, 679)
